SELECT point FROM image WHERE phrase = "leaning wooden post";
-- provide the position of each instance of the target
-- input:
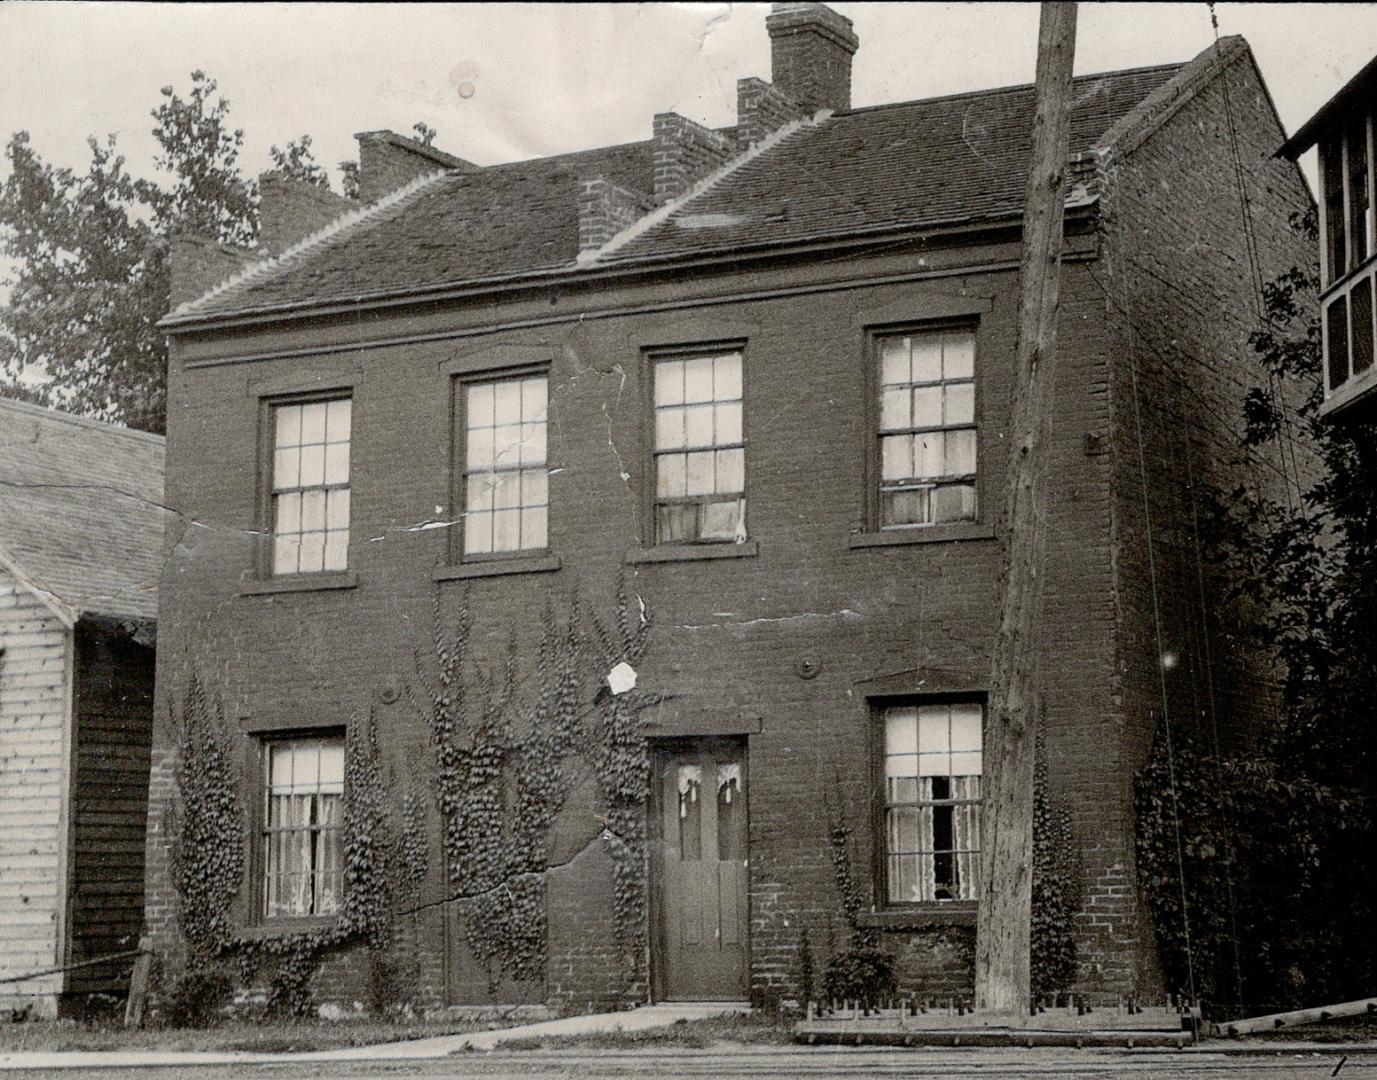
(1006, 859)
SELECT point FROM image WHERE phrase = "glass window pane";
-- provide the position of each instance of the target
(286, 468)
(506, 525)
(698, 425)
(958, 355)
(338, 415)
(675, 522)
(698, 379)
(960, 452)
(896, 457)
(312, 466)
(507, 445)
(507, 402)
(927, 454)
(480, 407)
(927, 357)
(313, 423)
(288, 512)
(967, 764)
(901, 765)
(535, 487)
(723, 520)
(669, 429)
(901, 731)
(700, 473)
(286, 551)
(534, 400)
(337, 463)
(312, 558)
(728, 423)
(934, 729)
(288, 425)
(672, 478)
(533, 524)
(478, 532)
(903, 786)
(533, 444)
(965, 726)
(478, 448)
(904, 832)
(507, 490)
(960, 404)
(731, 470)
(337, 513)
(904, 507)
(478, 491)
(336, 550)
(669, 382)
(726, 382)
(927, 406)
(894, 368)
(312, 510)
(952, 502)
(894, 409)
(690, 812)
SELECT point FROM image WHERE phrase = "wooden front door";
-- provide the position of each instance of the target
(700, 871)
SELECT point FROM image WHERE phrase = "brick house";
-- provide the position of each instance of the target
(80, 556)
(760, 374)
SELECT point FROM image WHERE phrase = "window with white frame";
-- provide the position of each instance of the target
(506, 474)
(932, 770)
(301, 842)
(700, 450)
(310, 486)
(927, 433)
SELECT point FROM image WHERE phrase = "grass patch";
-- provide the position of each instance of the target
(43, 1036)
(757, 1028)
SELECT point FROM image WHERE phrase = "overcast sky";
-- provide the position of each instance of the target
(502, 82)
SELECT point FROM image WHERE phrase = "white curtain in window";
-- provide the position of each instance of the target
(966, 836)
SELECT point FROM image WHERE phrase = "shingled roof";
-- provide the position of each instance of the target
(81, 515)
(921, 164)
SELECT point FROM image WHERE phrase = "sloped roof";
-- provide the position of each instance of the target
(956, 159)
(81, 515)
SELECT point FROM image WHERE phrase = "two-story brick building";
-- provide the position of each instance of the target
(762, 374)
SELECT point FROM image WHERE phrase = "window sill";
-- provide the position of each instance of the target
(283, 928)
(693, 552)
(924, 534)
(522, 564)
(298, 583)
(951, 913)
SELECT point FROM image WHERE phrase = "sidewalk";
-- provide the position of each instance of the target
(649, 1016)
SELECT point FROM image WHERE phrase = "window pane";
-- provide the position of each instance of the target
(927, 357)
(533, 525)
(728, 422)
(690, 813)
(960, 404)
(506, 490)
(337, 463)
(904, 507)
(901, 731)
(478, 491)
(288, 508)
(731, 813)
(1362, 325)
(675, 522)
(285, 554)
(337, 420)
(727, 377)
(896, 457)
(480, 405)
(507, 403)
(700, 473)
(894, 361)
(965, 726)
(927, 454)
(952, 502)
(288, 425)
(535, 487)
(723, 520)
(507, 445)
(336, 550)
(967, 764)
(506, 525)
(313, 423)
(669, 429)
(958, 355)
(478, 532)
(894, 412)
(312, 510)
(960, 452)
(286, 468)
(1337, 326)
(337, 513)
(669, 382)
(672, 479)
(534, 400)
(533, 444)
(698, 425)
(934, 729)
(312, 553)
(698, 379)
(312, 466)
(731, 470)
(927, 406)
(478, 448)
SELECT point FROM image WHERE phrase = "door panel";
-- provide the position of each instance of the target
(700, 868)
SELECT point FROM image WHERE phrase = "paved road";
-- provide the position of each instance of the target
(778, 1063)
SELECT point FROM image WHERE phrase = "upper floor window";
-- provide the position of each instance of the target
(932, 770)
(506, 475)
(927, 434)
(1346, 174)
(303, 872)
(310, 486)
(700, 455)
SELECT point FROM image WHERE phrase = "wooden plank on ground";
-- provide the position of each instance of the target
(1296, 1018)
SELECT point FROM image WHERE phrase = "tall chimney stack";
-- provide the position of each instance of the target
(810, 55)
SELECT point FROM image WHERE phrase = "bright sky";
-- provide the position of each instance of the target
(507, 81)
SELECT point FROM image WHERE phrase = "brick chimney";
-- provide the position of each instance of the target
(810, 55)
(388, 161)
(291, 210)
(605, 209)
(685, 152)
(197, 264)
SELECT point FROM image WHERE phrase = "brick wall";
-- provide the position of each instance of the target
(684, 152)
(761, 109)
(291, 210)
(605, 209)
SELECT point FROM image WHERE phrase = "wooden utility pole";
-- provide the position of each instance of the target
(1006, 857)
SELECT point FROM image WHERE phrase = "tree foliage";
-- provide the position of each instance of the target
(1268, 855)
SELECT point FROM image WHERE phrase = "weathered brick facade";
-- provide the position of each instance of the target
(792, 639)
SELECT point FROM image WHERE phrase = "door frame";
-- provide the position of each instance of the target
(660, 749)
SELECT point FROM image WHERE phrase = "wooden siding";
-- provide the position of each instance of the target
(33, 705)
(114, 721)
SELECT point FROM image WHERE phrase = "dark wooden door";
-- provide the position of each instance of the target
(701, 869)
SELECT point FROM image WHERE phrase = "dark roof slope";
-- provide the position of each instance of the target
(81, 515)
(923, 163)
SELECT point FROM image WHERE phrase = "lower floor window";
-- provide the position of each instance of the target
(302, 868)
(932, 801)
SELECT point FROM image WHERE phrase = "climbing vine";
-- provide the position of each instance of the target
(1056, 878)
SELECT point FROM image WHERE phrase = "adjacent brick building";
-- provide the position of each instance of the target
(761, 375)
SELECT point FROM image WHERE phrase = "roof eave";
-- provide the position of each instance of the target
(1310, 132)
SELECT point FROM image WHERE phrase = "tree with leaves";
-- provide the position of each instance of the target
(89, 253)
